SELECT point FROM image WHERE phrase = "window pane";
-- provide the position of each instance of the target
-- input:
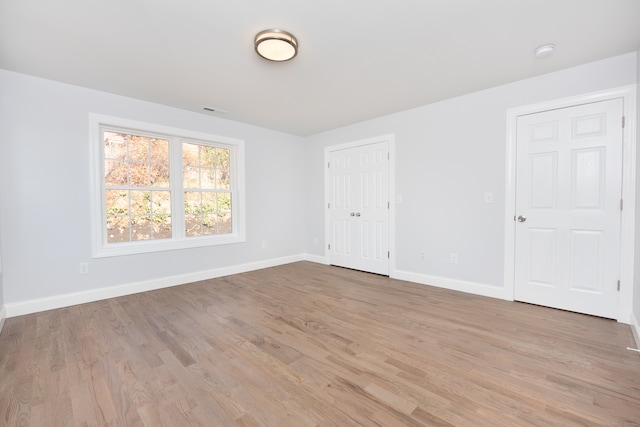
(191, 177)
(139, 174)
(222, 179)
(115, 173)
(209, 224)
(138, 148)
(162, 229)
(223, 156)
(207, 156)
(224, 224)
(140, 228)
(192, 202)
(161, 202)
(159, 151)
(159, 175)
(115, 145)
(140, 202)
(117, 202)
(209, 205)
(224, 202)
(192, 225)
(118, 229)
(190, 154)
(224, 213)
(207, 179)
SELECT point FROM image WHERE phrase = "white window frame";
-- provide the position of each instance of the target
(101, 248)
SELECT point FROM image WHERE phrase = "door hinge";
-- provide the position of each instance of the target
(618, 285)
(328, 205)
(388, 156)
(388, 254)
(388, 205)
(329, 246)
(623, 121)
(621, 204)
(328, 165)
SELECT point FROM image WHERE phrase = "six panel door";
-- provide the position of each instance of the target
(358, 208)
(568, 195)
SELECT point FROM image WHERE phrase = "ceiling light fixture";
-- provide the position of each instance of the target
(544, 50)
(276, 45)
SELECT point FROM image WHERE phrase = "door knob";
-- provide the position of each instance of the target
(522, 218)
(357, 213)
(352, 214)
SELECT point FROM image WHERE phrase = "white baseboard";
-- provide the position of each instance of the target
(635, 329)
(3, 316)
(440, 282)
(318, 259)
(454, 285)
(66, 300)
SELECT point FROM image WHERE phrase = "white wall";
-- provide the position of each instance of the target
(447, 155)
(44, 182)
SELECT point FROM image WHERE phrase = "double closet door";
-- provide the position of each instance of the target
(358, 207)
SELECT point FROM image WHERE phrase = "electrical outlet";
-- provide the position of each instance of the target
(423, 256)
(83, 268)
(453, 258)
(488, 197)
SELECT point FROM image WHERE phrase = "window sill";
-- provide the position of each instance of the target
(142, 247)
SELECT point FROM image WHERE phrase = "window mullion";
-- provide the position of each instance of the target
(233, 189)
(177, 189)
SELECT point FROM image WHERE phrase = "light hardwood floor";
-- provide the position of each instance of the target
(311, 345)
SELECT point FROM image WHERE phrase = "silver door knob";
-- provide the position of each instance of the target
(522, 218)
(357, 213)
(352, 214)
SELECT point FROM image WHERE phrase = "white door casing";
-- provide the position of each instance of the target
(568, 193)
(358, 208)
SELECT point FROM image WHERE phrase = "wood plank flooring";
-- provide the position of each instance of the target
(311, 345)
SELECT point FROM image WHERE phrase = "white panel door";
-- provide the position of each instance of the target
(358, 208)
(568, 192)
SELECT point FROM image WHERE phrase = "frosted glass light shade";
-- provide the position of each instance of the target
(276, 45)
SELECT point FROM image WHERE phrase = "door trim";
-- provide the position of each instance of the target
(390, 139)
(627, 252)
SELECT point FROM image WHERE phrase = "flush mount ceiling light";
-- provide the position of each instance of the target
(276, 45)
(544, 50)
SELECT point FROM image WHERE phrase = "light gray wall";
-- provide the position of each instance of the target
(2, 308)
(447, 156)
(44, 181)
(636, 291)
(2, 155)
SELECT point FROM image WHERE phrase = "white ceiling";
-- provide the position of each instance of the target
(358, 59)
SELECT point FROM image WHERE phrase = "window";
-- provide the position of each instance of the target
(157, 188)
(207, 189)
(137, 187)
